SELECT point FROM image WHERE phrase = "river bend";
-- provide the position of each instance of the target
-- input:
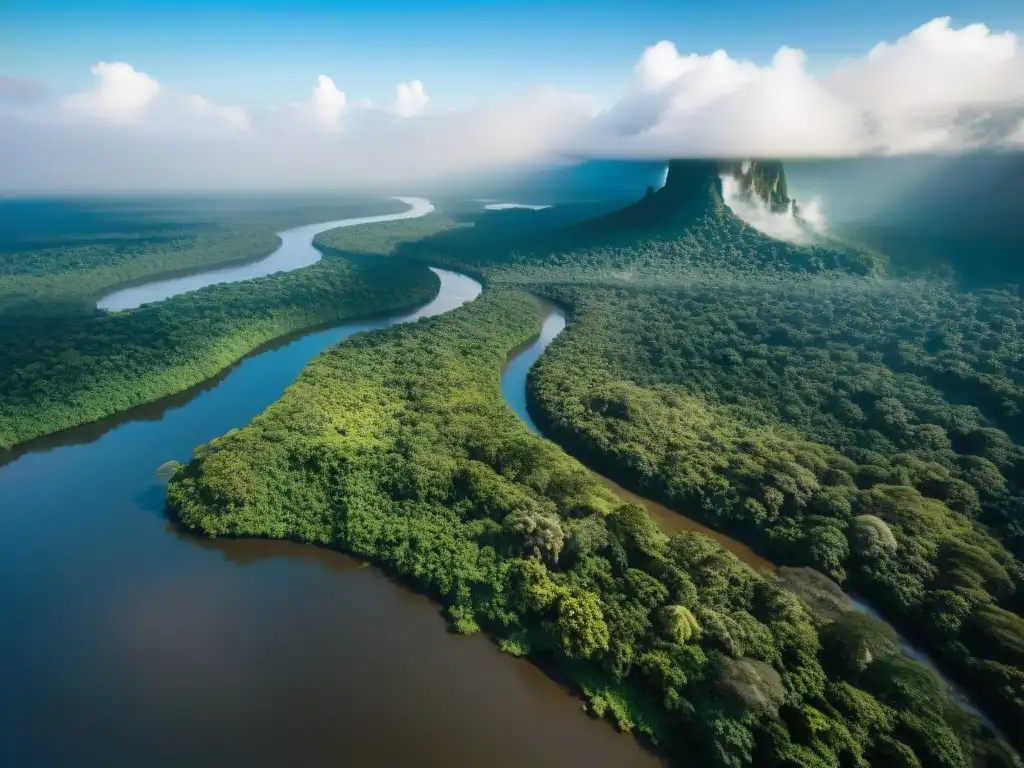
(131, 642)
(294, 252)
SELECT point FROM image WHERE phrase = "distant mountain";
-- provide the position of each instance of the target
(693, 188)
(587, 180)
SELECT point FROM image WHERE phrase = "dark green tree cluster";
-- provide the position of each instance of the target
(784, 447)
(397, 447)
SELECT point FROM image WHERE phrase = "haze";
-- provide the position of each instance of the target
(942, 86)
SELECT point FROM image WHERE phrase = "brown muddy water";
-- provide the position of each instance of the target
(128, 642)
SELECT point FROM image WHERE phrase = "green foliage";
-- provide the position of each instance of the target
(872, 538)
(755, 684)
(791, 395)
(816, 441)
(580, 628)
(398, 447)
(67, 362)
(796, 398)
(680, 624)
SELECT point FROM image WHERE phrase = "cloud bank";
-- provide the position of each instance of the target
(938, 89)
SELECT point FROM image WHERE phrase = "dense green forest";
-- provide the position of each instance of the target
(867, 427)
(397, 446)
(67, 362)
(797, 397)
(800, 398)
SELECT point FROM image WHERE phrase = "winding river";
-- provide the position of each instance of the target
(513, 388)
(129, 642)
(294, 252)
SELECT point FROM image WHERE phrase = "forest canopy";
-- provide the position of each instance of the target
(67, 362)
(801, 398)
(806, 399)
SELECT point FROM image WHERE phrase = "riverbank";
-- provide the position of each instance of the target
(78, 365)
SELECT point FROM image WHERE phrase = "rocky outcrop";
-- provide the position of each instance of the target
(763, 180)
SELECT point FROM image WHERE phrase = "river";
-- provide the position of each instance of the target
(128, 641)
(513, 389)
(135, 642)
(294, 252)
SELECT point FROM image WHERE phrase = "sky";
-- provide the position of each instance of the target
(226, 93)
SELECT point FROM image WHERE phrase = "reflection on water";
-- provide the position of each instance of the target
(296, 250)
(129, 642)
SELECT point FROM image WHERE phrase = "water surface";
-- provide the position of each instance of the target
(295, 251)
(130, 642)
(510, 206)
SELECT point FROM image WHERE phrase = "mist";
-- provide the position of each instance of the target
(796, 226)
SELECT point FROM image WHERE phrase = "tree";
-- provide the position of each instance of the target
(679, 623)
(537, 531)
(580, 624)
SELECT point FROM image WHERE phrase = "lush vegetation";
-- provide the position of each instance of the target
(761, 412)
(397, 447)
(796, 397)
(861, 429)
(67, 362)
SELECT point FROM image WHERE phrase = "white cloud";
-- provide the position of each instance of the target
(234, 117)
(939, 88)
(797, 227)
(918, 89)
(410, 98)
(327, 103)
(119, 93)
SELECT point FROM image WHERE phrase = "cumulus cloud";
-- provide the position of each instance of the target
(327, 103)
(410, 98)
(939, 88)
(119, 93)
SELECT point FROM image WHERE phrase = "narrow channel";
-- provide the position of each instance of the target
(513, 389)
(133, 642)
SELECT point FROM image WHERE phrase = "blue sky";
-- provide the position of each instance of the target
(252, 52)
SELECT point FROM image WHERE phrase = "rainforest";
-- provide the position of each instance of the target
(847, 408)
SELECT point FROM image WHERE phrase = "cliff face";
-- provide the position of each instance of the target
(762, 179)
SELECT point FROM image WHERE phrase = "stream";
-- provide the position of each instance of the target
(294, 252)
